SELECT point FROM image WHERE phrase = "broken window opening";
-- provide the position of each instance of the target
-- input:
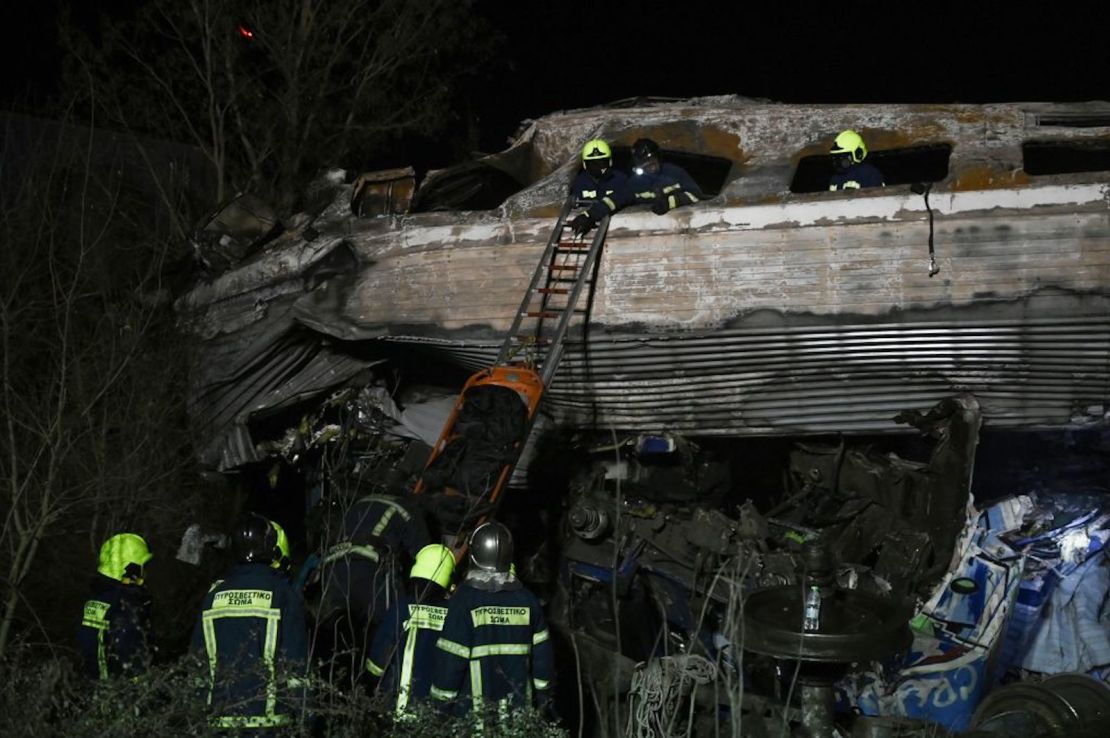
(926, 163)
(473, 186)
(1065, 157)
(1074, 120)
(484, 183)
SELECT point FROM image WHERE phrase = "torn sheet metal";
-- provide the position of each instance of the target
(907, 513)
(293, 369)
(958, 636)
(233, 232)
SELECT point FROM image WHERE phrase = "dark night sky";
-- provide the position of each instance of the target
(558, 55)
(570, 54)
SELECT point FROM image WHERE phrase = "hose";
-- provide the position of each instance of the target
(658, 689)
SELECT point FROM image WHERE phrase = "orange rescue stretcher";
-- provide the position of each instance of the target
(527, 384)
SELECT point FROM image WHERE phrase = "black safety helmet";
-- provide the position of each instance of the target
(645, 156)
(491, 547)
(254, 540)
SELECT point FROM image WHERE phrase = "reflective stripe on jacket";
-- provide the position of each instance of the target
(251, 629)
(494, 647)
(856, 177)
(112, 636)
(671, 182)
(404, 649)
(359, 571)
(586, 188)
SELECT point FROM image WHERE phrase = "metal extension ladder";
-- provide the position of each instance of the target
(530, 354)
(551, 300)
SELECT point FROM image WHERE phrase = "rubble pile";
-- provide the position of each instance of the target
(659, 552)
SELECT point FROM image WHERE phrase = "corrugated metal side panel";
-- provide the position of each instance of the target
(851, 378)
(290, 370)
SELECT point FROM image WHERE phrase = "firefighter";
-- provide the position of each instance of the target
(402, 655)
(663, 185)
(251, 630)
(494, 650)
(597, 178)
(379, 535)
(850, 171)
(115, 625)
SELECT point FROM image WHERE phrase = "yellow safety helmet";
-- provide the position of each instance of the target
(850, 142)
(596, 148)
(282, 557)
(120, 552)
(434, 562)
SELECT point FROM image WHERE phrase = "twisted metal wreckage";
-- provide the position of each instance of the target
(976, 282)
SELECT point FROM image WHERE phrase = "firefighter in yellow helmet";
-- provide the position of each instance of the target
(597, 178)
(403, 652)
(850, 171)
(661, 184)
(113, 637)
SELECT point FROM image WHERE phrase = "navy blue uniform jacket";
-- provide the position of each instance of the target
(494, 646)
(586, 188)
(856, 176)
(359, 570)
(115, 623)
(404, 649)
(251, 631)
(670, 185)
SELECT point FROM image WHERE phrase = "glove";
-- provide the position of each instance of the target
(582, 224)
(660, 205)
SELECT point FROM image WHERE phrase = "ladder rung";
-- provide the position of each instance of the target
(574, 246)
(562, 267)
(554, 313)
(553, 290)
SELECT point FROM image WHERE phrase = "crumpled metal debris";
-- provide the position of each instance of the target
(681, 561)
(237, 229)
(906, 514)
(195, 540)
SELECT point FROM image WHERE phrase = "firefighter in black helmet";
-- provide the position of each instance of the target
(654, 182)
(251, 631)
(494, 649)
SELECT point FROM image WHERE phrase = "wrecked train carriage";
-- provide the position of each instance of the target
(771, 308)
